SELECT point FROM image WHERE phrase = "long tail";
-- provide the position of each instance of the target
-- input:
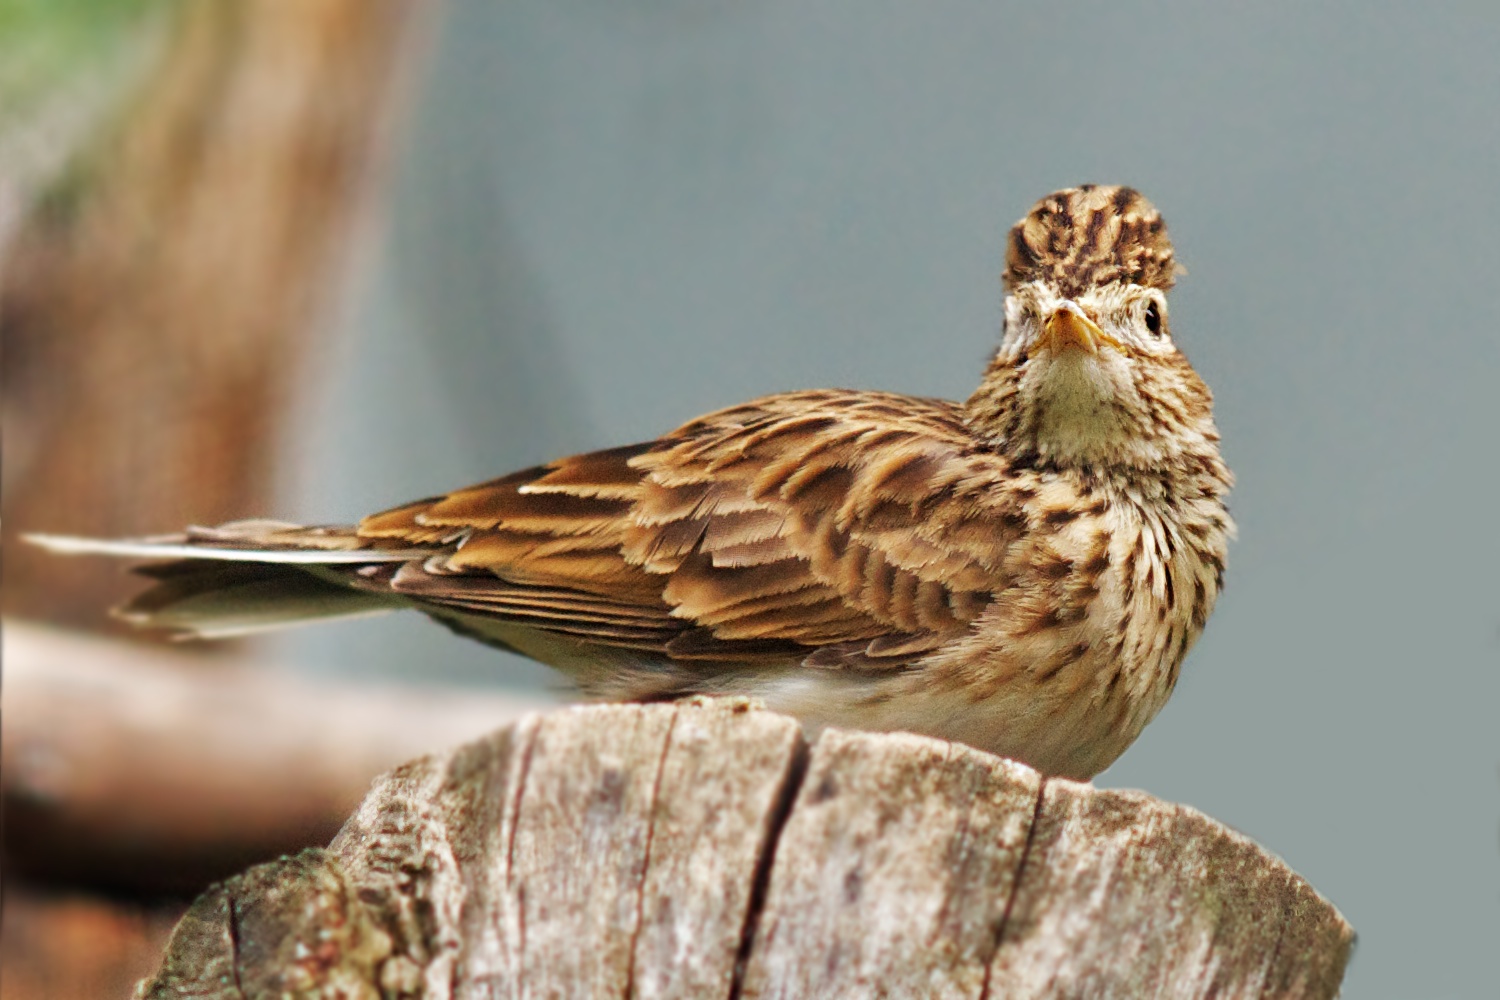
(246, 576)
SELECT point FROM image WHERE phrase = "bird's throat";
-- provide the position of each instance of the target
(1071, 412)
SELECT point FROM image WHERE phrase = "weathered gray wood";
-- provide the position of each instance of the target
(702, 850)
(892, 876)
(592, 848)
(1124, 895)
(578, 850)
(725, 783)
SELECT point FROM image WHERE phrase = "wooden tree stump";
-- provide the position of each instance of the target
(704, 850)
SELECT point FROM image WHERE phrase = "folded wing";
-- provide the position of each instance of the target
(841, 529)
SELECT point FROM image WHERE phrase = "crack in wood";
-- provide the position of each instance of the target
(1015, 889)
(640, 889)
(233, 931)
(1265, 986)
(765, 862)
(685, 852)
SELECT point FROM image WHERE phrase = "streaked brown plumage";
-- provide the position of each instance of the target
(1023, 572)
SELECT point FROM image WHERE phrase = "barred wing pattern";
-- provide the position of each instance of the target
(837, 529)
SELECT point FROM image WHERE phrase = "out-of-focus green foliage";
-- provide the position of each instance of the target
(47, 47)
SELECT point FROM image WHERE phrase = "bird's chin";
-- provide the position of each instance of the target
(1076, 380)
(1074, 397)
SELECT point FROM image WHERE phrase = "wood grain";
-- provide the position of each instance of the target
(703, 850)
(895, 868)
(1210, 912)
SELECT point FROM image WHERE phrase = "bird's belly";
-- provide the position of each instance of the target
(1073, 738)
(987, 692)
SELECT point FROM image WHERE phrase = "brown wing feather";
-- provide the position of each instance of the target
(844, 528)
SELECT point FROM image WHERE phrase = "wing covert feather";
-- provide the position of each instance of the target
(864, 527)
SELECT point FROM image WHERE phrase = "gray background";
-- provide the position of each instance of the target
(609, 217)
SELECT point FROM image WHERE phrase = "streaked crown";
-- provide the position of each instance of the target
(1091, 235)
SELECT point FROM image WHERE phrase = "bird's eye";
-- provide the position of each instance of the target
(1153, 319)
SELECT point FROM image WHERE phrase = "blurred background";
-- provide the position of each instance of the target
(315, 259)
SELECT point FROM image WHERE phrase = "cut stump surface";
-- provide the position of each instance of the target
(705, 850)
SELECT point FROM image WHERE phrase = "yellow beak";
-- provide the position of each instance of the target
(1069, 327)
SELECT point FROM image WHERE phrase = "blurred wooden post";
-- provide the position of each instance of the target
(158, 771)
(157, 306)
(703, 850)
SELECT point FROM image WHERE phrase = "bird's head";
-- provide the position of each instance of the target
(1087, 374)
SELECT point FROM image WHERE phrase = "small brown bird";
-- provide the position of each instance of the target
(1022, 572)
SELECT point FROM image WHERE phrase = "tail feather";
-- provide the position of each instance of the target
(240, 541)
(219, 600)
(244, 577)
